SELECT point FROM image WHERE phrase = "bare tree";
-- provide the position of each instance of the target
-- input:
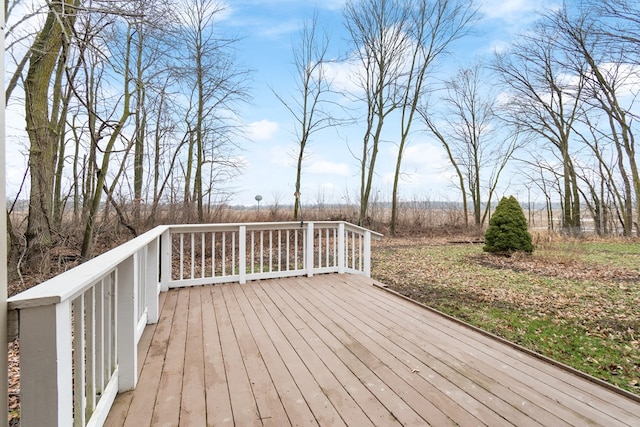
(151, 48)
(312, 84)
(168, 142)
(606, 75)
(97, 67)
(432, 27)
(378, 30)
(468, 128)
(545, 104)
(216, 84)
(614, 191)
(42, 122)
(619, 22)
(17, 33)
(105, 126)
(434, 129)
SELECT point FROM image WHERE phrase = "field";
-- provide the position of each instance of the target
(572, 300)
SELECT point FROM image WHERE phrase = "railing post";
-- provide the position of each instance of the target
(367, 253)
(242, 248)
(165, 260)
(46, 387)
(309, 249)
(341, 248)
(151, 281)
(127, 322)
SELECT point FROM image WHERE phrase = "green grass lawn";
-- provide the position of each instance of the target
(576, 302)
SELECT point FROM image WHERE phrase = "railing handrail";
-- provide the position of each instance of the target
(270, 225)
(80, 330)
(66, 285)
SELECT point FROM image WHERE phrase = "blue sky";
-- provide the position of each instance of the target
(330, 172)
(267, 29)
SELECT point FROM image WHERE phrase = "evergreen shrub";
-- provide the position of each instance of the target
(507, 232)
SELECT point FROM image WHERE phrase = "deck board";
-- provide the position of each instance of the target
(304, 371)
(413, 379)
(332, 402)
(370, 353)
(243, 403)
(334, 350)
(166, 411)
(266, 337)
(467, 384)
(270, 409)
(218, 400)
(546, 379)
(340, 369)
(193, 403)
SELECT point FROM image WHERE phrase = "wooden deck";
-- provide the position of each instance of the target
(334, 350)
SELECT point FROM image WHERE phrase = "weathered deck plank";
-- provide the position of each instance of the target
(334, 350)
(272, 346)
(270, 409)
(169, 395)
(556, 385)
(468, 386)
(193, 403)
(151, 351)
(218, 400)
(359, 396)
(327, 398)
(408, 376)
(243, 403)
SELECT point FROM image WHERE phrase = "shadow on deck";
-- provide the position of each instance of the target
(334, 350)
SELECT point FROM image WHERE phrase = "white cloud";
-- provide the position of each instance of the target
(282, 156)
(332, 4)
(343, 76)
(499, 46)
(425, 166)
(328, 186)
(510, 10)
(278, 30)
(627, 77)
(425, 156)
(262, 130)
(323, 167)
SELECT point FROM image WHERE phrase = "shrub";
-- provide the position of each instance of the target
(507, 232)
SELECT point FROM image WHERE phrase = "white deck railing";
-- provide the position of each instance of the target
(79, 331)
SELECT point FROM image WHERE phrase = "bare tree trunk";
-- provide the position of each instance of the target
(200, 136)
(42, 130)
(434, 25)
(306, 110)
(87, 241)
(379, 33)
(445, 143)
(368, 173)
(188, 200)
(140, 129)
(157, 188)
(58, 202)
